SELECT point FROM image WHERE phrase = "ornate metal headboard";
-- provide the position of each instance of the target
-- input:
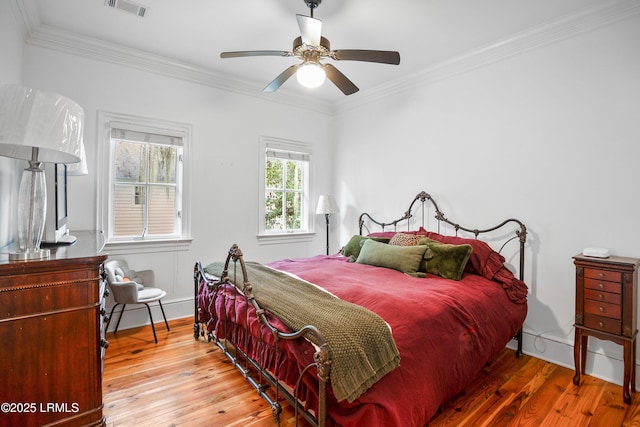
(422, 198)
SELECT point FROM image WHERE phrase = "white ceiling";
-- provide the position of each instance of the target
(425, 32)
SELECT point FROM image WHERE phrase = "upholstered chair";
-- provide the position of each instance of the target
(132, 287)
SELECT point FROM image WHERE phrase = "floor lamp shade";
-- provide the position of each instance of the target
(38, 127)
(326, 205)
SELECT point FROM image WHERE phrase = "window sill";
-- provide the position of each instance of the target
(274, 239)
(144, 246)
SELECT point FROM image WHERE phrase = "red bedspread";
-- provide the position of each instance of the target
(444, 330)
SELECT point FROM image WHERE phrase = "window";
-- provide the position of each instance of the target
(285, 179)
(144, 187)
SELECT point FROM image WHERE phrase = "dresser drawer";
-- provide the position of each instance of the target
(597, 274)
(597, 295)
(601, 285)
(603, 309)
(604, 324)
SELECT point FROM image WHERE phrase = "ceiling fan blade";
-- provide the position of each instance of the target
(310, 29)
(245, 53)
(340, 80)
(381, 56)
(283, 77)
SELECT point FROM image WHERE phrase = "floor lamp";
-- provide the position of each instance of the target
(326, 206)
(38, 127)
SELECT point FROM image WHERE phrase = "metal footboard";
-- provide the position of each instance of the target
(266, 383)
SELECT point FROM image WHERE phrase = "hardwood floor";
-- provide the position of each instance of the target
(181, 381)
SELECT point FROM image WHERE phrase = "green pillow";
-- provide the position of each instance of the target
(406, 259)
(445, 260)
(355, 244)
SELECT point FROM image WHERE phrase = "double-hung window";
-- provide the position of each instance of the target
(144, 185)
(285, 180)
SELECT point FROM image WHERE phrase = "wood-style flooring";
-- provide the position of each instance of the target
(184, 382)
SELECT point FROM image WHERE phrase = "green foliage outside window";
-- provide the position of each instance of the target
(283, 198)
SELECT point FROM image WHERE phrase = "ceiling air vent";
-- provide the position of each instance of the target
(128, 6)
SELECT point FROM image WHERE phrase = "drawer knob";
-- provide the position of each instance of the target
(601, 275)
(601, 285)
(600, 296)
(601, 324)
(601, 309)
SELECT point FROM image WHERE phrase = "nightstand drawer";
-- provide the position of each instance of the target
(602, 309)
(598, 295)
(597, 274)
(601, 285)
(604, 324)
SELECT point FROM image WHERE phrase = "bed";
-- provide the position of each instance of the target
(384, 332)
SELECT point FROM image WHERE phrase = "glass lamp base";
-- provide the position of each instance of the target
(29, 255)
(32, 202)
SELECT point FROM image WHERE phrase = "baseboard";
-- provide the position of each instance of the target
(136, 315)
(604, 359)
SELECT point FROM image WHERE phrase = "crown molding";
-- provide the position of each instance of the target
(27, 14)
(53, 38)
(545, 34)
(541, 35)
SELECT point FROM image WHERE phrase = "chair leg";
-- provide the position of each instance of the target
(152, 327)
(111, 316)
(165, 317)
(119, 318)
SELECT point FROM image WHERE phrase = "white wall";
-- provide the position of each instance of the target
(11, 46)
(521, 137)
(550, 136)
(226, 130)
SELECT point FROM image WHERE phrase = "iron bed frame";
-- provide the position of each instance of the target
(262, 379)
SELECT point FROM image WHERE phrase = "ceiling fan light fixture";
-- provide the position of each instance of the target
(311, 47)
(310, 75)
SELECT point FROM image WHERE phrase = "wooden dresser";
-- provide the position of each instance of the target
(52, 337)
(606, 308)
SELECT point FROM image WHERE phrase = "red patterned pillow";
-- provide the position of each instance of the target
(390, 234)
(402, 239)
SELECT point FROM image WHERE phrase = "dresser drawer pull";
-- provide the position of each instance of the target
(601, 275)
(601, 309)
(601, 324)
(600, 296)
(601, 285)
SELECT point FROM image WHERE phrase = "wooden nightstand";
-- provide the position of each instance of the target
(606, 295)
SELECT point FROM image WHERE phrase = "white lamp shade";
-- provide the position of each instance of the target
(326, 205)
(50, 122)
(79, 168)
(310, 75)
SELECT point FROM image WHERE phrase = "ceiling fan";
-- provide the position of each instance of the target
(311, 47)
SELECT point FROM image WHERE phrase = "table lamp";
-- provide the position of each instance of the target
(38, 127)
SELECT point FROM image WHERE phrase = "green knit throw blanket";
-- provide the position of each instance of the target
(361, 345)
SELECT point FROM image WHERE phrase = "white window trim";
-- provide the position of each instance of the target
(104, 171)
(263, 236)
